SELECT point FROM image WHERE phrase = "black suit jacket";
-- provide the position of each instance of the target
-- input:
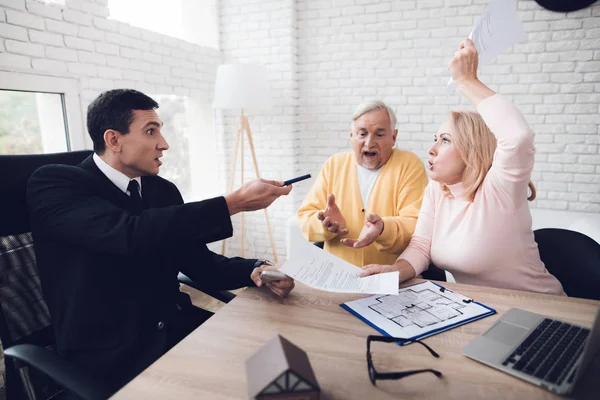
(109, 276)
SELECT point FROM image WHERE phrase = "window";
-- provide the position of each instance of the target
(192, 20)
(192, 161)
(31, 123)
(39, 114)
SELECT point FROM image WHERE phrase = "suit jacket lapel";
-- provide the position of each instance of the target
(151, 192)
(101, 182)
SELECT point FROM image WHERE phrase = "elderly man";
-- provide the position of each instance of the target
(372, 193)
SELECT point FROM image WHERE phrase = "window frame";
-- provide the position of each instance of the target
(66, 87)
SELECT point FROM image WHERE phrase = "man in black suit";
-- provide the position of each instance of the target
(111, 236)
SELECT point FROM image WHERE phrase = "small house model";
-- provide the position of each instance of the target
(281, 371)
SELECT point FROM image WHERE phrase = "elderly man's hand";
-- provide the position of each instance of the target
(281, 288)
(370, 232)
(332, 217)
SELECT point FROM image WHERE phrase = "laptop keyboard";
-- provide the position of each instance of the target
(549, 351)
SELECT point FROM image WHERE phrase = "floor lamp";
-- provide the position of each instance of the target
(243, 87)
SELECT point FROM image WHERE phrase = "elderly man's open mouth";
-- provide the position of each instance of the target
(370, 155)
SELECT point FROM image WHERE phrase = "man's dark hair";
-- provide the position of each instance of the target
(114, 110)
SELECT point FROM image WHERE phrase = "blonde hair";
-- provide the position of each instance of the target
(476, 145)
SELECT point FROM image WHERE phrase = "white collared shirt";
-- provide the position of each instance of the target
(117, 177)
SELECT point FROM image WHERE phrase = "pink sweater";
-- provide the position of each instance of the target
(488, 242)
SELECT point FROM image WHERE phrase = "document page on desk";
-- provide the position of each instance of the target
(417, 311)
(321, 270)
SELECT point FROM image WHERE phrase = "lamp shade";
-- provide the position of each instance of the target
(242, 86)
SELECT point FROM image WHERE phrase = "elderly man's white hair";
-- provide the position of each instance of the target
(369, 106)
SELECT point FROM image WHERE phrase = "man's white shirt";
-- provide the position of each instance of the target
(119, 179)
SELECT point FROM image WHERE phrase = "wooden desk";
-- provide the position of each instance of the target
(210, 362)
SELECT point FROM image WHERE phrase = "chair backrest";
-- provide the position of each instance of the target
(23, 311)
(16, 170)
(24, 315)
(434, 273)
(573, 258)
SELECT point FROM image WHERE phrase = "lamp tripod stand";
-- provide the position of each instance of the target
(244, 129)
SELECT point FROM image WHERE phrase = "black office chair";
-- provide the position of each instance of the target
(434, 273)
(573, 258)
(25, 326)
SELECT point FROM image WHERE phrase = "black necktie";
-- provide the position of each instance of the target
(134, 194)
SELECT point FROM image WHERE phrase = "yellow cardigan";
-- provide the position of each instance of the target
(396, 197)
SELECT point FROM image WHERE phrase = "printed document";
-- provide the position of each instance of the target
(321, 270)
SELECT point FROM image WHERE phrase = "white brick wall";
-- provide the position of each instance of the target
(326, 56)
(264, 32)
(78, 41)
(354, 50)
(338, 53)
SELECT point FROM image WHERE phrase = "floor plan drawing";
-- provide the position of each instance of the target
(418, 308)
(417, 311)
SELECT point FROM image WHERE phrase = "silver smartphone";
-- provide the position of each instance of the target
(272, 276)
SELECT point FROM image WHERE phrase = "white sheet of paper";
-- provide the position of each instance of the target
(321, 270)
(498, 28)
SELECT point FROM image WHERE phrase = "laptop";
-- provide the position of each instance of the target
(544, 351)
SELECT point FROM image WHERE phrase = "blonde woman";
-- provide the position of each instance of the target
(475, 220)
